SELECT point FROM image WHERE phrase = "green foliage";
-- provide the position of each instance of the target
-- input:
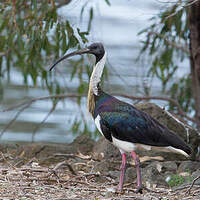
(182, 92)
(166, 42)
(176, 180)
(32, 36)
(78, 127)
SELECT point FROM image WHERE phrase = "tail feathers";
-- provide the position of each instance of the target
(175, 150)
(187, 149)
(179, 145)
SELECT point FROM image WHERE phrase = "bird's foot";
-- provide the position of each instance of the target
(139, 189)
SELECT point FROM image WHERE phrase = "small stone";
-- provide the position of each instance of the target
(168, 178)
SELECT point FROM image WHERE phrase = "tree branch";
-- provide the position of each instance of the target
(177, 46)
(27, 103)
(181, 7)
(60, 96)
(192, 184)
(16, 116)
(180, 111)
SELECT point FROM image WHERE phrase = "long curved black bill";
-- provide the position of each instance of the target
(79, 52)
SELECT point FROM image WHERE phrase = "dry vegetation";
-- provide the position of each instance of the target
(71, 176)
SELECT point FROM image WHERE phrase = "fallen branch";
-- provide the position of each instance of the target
(193, 182)
(183, 187)
(81, 156)
(64, 163)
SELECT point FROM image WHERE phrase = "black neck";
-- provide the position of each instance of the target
(99, 57)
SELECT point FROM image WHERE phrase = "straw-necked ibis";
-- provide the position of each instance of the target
(121, 123)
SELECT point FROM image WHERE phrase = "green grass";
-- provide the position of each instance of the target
(176, 180)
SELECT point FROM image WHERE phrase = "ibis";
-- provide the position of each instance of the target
(121, 123)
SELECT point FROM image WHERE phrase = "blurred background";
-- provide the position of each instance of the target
(148, 55)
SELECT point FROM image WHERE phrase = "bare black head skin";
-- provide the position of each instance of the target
(96, 49)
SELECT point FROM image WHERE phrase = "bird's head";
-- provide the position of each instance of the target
(96, 49)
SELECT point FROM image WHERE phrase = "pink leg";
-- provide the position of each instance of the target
(137, 164)
(123, 169)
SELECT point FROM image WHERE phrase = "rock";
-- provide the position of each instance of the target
(169, 166)
(195, 175)
(105, 166)
(130, 174)
(189, 134)
(83, 144)
(188, 166)
(164, 167)
(115, 175)
(48, 153)
(104, 149)
(152, 177)
(100, 179)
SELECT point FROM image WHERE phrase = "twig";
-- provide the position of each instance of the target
(68, 165)
(15, 117)
(4, 53)
(178, 46)
(14, 13)
(86, 189)
(182, 7)
(181, 187)
(46, 117)
(154, 191)
(37, 179)
(60, 96)
(6, 160)
(135, 197)
(73, 155)
(193, 182)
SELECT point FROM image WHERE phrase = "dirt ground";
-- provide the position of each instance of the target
(71, 176)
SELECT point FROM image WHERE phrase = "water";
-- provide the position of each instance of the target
(117, 27)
